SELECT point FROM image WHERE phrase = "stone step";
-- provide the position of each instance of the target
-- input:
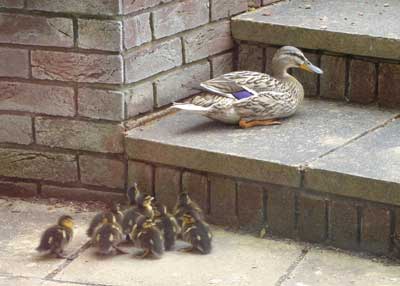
(356, 43)
(329, 174)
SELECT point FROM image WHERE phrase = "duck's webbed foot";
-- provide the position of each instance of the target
(247, 124)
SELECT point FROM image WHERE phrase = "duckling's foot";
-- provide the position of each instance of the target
(186, 249)
(247, 124)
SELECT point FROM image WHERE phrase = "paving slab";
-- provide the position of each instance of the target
(235, 260)
(268, 154)
(332, 268)
(358, 27)
(22, 223)
(368, 168)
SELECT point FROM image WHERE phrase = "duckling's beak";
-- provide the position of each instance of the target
(311, 68)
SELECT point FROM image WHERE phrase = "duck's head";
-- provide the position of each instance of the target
(66, 221)
(291, 57)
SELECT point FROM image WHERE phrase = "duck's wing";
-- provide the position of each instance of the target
(229, 84)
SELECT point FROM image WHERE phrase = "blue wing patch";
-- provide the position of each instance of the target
(242, 94)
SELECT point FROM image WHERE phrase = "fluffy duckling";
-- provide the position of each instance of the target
(143, 208)
(167, 224)
(133, 194)
(97, 221)
(55, 238)
(185, 204)
(196, 232)
(148, 237)
(108, 235)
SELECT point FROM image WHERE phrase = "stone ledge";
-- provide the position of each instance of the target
(273, 155)
(313, 25)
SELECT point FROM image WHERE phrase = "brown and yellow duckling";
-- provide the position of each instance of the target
(97, 221)
(133, 195)
(185, 204)
(196, 232)
(56, 238)
(143, 208)
(108, 235)
(167, 224)
(148, 237)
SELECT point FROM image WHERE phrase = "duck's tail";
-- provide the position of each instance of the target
(191, 108)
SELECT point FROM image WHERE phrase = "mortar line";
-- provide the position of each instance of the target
(9, 275)
(292, 267)
(67, 262)
(357, 137)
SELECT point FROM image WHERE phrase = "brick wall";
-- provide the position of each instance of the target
(73, 71)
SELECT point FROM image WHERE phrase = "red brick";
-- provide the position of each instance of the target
(333, 81)
(13, 189)
(169, 91)
(36, 98)
(307, 79)
(80, 194)
(139, 99)
(91, 68)
(207, 41)
(152, 59)
(15, 129)
(223, 201)
(250, 205)
(137, 30)
(79, 135)
(281, 211)
(396, 237)
(134, 5)
(38, 165)
(226, 8)
(251, 58)
(97, 7)
(142, 174)
(12, 3)
(222, 64)
(375, 230)
(184, 15)
(100, 34)
(102, 172)
(101, 104)
(312, 219)
(167, 186)
(269, 53)
(14, 63)
(389, 85)
(343, 225)
(36, 30)
(362, 81)
(254, 3)
(197, 187)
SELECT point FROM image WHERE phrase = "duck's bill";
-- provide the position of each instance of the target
(311, 68)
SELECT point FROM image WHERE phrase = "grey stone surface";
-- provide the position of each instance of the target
(22, 223)
(235, 260)
(331, 268)
(369, 168)
(268, 154)
(367, 28)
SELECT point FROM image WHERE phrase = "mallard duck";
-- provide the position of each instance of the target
(114, 209)
(148, 237)
(196, 232)
(55, 238)
(108, 235)
(253, 98)
(167, 224)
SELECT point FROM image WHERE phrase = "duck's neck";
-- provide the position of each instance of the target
(280, 73)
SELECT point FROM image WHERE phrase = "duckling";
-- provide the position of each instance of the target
(143, 208)
(133, 194)
(55, 238)
(108, 235)
(148, 237)
(167, 224)
(114, 209)
(196, 232)
(186, 204)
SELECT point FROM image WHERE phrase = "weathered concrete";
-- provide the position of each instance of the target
(368, 168)
(331, 268)
(367, 28)
(267, 154)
